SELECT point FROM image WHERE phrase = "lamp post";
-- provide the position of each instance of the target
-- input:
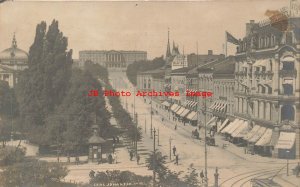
(154, 157)
(287, 162)
(151, 118)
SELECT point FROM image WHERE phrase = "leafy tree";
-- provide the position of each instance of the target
(5, 131)
(96, 70)
(119, 177)
(8, 102)
(43, 85)
(32, 173)
(10, 155)
(140, 66)
(192, 176)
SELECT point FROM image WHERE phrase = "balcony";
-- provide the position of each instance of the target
(287, 73)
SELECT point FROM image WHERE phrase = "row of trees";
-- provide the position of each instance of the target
(54, 105)
(140, 66)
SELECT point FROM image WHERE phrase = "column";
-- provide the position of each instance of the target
(276, 65)
(297, 142)
(267, 110)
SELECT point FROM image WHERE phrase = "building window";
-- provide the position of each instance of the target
(263, 89)
(287, 113)
(288, 66)
(287, 89)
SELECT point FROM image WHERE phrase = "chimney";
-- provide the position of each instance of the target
(249, 26)
(210, 52)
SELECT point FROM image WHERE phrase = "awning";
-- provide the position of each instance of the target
(236, 125)
(176, 109)
(265, 139)
(223, 125)
(250, 134)
(185, 112)
(174, 106)
(180, 110)
(213, 105)
(211, 122)
(231, 125)
(193, 104)
(192, 116)
(258, 135)
(243, 125)
(244, 131)
(166, 103)
(286, 140)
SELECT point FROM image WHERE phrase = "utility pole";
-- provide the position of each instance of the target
(145, 125)
(136, 131)
(154, 157)
(134, 103)
(205, 145)
(158, 137)
(170, 143)
(151, 118)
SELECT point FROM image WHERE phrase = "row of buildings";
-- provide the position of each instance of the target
(256, 92)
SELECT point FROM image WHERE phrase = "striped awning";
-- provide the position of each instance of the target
(286, 140)
(223, 125)
(192, 116)
(265, 139)
(194, 104)
(166, 103)
(180, 110)
(250, 134)
(173, 107)
(231, 125)
(257, 135)
(184, 113)
(243, 125)
(235, 126)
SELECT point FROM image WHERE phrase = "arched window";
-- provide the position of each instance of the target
(287, 113)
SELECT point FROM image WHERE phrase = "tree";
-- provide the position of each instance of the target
(140, 66)
(43, 85)
(96, 70)
(32, 173)
(10, 155)
(8, 102)
(192, 176)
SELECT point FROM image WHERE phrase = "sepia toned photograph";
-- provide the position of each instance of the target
(150, 93)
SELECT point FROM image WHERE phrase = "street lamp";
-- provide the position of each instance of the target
(287, 162)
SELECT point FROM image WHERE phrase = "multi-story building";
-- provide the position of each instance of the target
(112, 59)
(12, 61)
(223, 89)
(267, 88)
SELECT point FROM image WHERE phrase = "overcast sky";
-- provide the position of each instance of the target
(134, 25)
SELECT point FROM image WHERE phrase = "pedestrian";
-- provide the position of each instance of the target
(177, 159)
(174, 150)
(118, 140)
(92, 174)
(110, 159)
(202, 176)
(175, 126)
(115, 158)
(131, 155)
(114, 146)
(114, 139)
(138, 159)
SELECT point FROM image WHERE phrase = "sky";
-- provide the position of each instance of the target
(95, 25)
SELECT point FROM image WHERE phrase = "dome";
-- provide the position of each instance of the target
(13, 52)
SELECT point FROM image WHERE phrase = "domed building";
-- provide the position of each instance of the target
(12, 61)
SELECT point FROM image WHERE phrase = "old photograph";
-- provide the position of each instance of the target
(150, 93)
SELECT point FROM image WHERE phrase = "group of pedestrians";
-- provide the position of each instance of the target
(112, 158)
(137, 157)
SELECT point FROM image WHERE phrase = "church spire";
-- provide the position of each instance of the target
(14, 42)
(168, 53)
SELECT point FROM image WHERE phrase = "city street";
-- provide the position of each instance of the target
(235, 168)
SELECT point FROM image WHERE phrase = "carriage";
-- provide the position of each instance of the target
(210, 141)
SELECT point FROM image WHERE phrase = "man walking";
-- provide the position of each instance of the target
(131, 155)
(174, 150)
(176, 162)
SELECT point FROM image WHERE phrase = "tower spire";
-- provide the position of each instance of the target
(14, 41)
(168, 53)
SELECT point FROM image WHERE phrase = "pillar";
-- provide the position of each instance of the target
(267, 111)
(276, 65)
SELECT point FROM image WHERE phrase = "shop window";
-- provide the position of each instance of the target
(287, 113)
